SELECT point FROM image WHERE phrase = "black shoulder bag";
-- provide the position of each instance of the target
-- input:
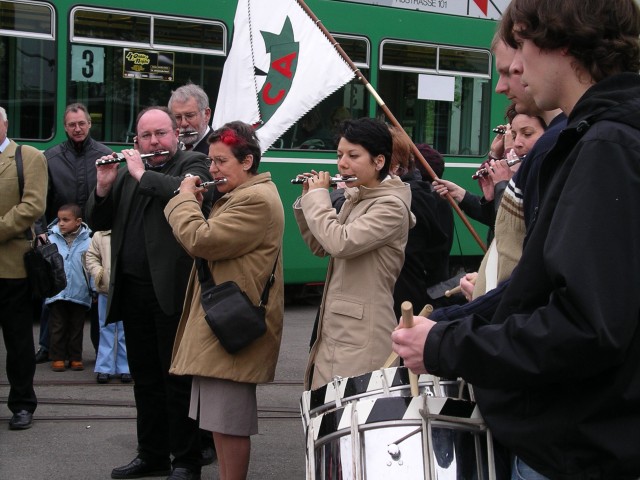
(43, 262)
(234, 320)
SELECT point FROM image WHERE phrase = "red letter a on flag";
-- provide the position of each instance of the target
(283, 64)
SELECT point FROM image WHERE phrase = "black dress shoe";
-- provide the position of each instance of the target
(126, 378)
(139, 468)
(181, 473)
(208, 455)
(102, 378)
(42, 355)
(21, 420)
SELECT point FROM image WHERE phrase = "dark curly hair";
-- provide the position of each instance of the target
(241, 138)
(601, 35)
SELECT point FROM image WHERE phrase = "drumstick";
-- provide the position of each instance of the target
(407, 319)
(425, 312)
(453, 291)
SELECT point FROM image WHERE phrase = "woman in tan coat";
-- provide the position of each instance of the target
(366, 241)
(240, 241)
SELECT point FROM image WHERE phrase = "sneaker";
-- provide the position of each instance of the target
(58, 366)
(76, 365)
(126, 378)
(102, 378)
(42, 355)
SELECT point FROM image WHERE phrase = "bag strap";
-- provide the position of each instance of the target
(205, 278)
(20, 169)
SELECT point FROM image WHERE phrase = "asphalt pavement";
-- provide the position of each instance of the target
(82, 429)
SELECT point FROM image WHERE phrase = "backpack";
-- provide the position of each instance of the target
(43, 262)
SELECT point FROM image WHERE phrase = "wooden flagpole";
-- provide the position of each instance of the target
(391, 118)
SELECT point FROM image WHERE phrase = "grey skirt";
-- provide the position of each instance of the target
(224, 406)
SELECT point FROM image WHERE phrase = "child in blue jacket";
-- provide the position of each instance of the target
(69, 307)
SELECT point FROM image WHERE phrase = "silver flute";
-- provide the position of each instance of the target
(299, 180)
(121, 158)
(212, 183)
(187, 134)
(484, 171)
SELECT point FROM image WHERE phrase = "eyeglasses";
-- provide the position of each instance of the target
(187, 116)
(218, 162)
(73, 125)
(146, 136)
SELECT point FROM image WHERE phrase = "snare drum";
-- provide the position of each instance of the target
(369, 427)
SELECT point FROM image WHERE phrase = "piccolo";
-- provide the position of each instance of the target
(187, 134)
(334, 180)
(212, 183)
(120, 157)
(484, 171)
(500, 130)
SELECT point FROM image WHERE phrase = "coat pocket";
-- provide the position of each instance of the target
(344, 323)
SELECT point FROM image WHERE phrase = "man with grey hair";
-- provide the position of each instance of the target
(23, 175)
(189, 104)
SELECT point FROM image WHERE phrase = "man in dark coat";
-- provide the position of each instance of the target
(149, 274)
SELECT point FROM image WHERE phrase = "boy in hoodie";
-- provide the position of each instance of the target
(68, 307)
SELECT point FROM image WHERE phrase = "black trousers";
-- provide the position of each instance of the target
(66, 326)
(162, 400)
(17, 330)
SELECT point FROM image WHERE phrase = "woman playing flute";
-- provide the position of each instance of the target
(366, 242)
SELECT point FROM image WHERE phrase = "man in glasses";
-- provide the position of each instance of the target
(189, 104)
(149, 274)
(72, 177)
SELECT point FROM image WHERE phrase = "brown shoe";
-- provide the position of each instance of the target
(76, 365)
(58, 366)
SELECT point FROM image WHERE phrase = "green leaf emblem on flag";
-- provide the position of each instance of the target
(284, 52)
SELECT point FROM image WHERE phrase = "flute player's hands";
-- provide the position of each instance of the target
(106, 175)
(320, 180)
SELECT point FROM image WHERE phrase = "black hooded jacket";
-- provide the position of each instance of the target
(557, 370)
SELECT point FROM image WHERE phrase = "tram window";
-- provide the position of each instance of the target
(26, 17)
(190, 51)
(136, 29)
(464, 61)
(27, 68)
(410, 56)
(114, 101)
(318, 128)
(112, 26)
(455, 126)
(189, 34)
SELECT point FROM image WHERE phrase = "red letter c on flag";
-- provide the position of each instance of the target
(267, 98)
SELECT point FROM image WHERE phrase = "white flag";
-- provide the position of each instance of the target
(280, 66)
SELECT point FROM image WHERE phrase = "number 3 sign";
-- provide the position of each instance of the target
(87, 64)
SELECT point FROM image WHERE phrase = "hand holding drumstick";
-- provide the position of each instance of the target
(409, 343)
(407, 321)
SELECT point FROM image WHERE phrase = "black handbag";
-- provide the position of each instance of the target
(234, 320)
(45, 269)
(44, 264)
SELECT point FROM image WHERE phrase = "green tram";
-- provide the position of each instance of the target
(56, 52)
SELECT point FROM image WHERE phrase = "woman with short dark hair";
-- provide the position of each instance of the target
(366, 243)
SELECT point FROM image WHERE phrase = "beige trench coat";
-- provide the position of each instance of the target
(18, 214)
(240, 241)
(366, 241)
